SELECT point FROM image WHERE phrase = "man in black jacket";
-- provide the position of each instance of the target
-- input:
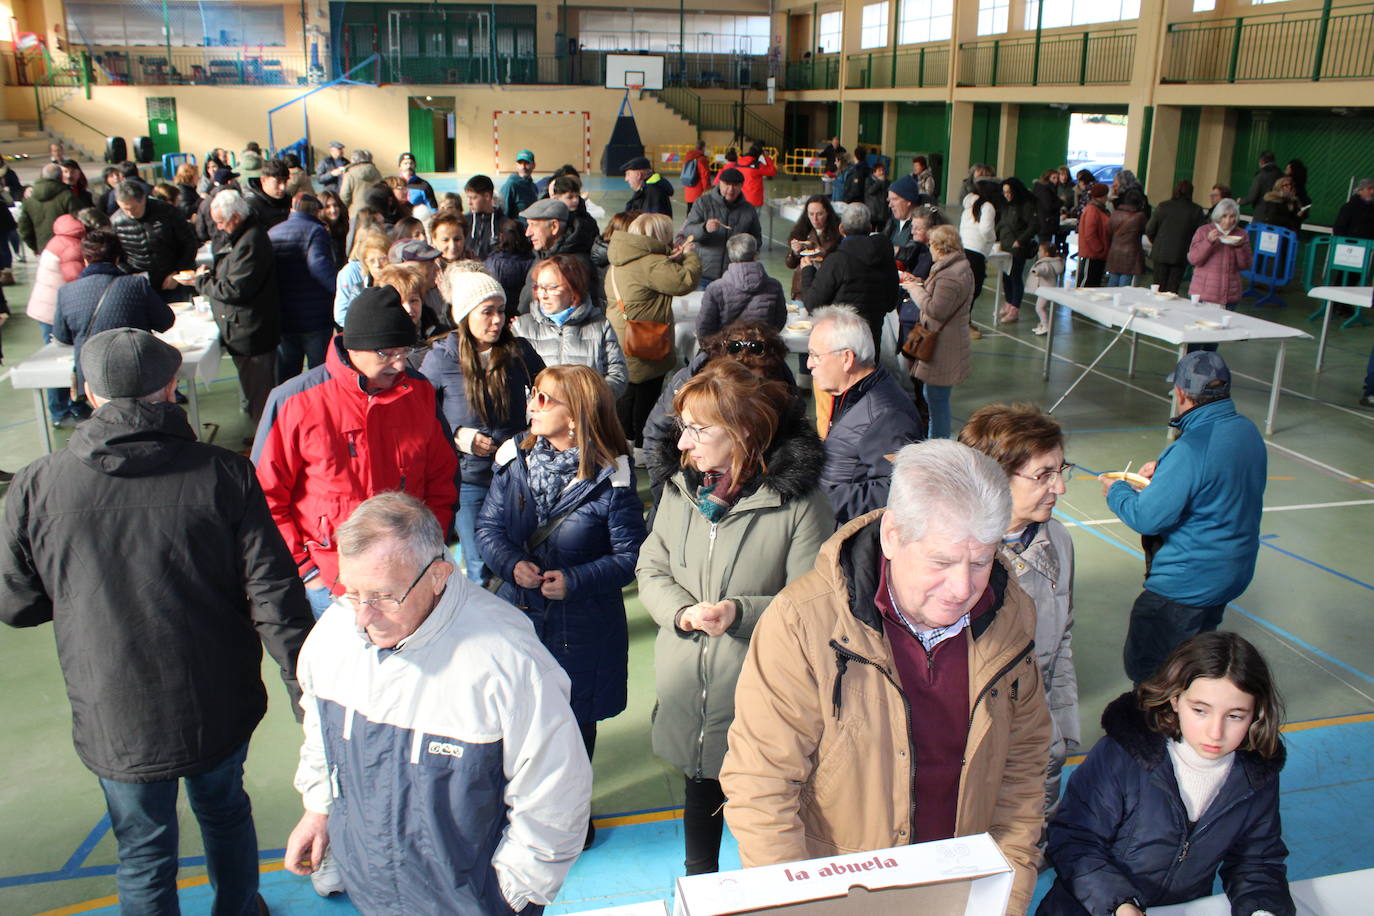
(267, 196)
(1269, 172)
(159, 635)
(155, 237)
(862, 271)
(652, 192)
(242, 289)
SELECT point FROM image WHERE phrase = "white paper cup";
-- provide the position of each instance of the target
(1225, 321)
(1154, 288)
(1196, 297)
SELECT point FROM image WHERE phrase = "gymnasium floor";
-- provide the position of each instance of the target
(1307, 609)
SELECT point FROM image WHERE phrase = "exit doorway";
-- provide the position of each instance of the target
(433, 132)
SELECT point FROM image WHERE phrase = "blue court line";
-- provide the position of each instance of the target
(1259, 621)
(87, 845)
(101, 871)
(1266, 538)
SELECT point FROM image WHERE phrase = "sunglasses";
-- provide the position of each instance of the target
(540, 401)
(736, 347)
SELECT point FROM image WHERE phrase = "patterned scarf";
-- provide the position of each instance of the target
(717, 493)
(550, 472)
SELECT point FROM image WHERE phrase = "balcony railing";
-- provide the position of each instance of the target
(817, 73)
(914, 68)
(217, 66)
(1058, 59)
(1287, 46)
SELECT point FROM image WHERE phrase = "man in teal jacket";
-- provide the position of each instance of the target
(1200, 515)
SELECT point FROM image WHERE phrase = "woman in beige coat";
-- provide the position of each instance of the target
(640, 285)
(944, 297)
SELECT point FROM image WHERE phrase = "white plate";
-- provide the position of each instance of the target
(1232, 240)
(1131, 477)
(799, 326)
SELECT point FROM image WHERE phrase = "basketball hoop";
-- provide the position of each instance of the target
(633, 85)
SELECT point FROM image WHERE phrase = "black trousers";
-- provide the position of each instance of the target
(1094, 272)
(1169, 276)
(257, 378)
(702, 822)
(979, 265)
(1158, 626)
(635, 405)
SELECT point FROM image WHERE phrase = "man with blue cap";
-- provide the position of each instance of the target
(1199, 515)
(520, 191)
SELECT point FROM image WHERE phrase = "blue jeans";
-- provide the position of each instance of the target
(937, 398)
(1120, 279)
(470, 498)
(320, 599)
(1014, 281)
(308, 347)
(1157, 627)
(144, 819)
(59, 399)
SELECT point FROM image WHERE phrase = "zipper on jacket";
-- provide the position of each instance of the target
(701, 660)
(1030, 647)
(1191, 835)
(845, 655)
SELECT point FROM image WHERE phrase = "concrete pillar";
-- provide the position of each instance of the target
(889, 146)
(960, 160)
(1135, 129)
(1159, 181)
(1216, 139)
(1006, 148)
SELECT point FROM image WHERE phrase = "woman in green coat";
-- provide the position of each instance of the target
(743, 517)
(640, 285)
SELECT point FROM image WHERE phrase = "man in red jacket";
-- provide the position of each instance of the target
(359, 425)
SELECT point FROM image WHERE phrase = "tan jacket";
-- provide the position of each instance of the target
(945, 300)
(647, 281)
(819, 759)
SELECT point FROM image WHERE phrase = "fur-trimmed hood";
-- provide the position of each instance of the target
(1125, 724)
(792, 464)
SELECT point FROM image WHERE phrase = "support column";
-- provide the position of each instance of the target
(1135, 132)
(1006, 147)
(889, 139)
(960, 159)
(1159, 181)
(1216, 139)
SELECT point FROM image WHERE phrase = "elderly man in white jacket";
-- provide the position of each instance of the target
(442, 769)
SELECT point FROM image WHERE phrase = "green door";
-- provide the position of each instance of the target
(986, 134)
(422, 137)
(162, 127)
(1042, 140)
(922, 130)
(871, 123)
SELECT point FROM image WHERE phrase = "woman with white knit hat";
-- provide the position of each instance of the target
(481, 374)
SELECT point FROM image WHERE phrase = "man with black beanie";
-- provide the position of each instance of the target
(359, 425)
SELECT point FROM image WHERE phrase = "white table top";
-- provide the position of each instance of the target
(194, 334)
(1358, 296)
(687, 306)
(1329, 895)
(1172, 320)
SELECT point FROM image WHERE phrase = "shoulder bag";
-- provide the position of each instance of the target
(648, 340)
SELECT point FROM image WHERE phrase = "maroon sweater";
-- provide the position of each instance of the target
(936, 688)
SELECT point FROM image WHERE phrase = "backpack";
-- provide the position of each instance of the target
(691, 172)
(837, 186)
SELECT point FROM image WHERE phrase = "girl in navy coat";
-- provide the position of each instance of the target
(561, 527)
(1185, 783)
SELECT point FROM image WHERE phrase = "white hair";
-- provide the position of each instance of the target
(847, 331)
(392, 518)
(742, 247)
(945, 485)
(1224, 206)
(857, 219)
(229, 202)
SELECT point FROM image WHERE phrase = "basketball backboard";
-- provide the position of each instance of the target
(634, 71)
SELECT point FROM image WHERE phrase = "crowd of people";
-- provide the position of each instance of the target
(864, 626)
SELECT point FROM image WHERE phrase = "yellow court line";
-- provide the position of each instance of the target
(113, 899)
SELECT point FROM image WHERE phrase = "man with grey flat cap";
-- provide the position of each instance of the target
(652, 192)
(717, 215)
(156, 560)
(331, 167)
(547, 226)
(1199, 515)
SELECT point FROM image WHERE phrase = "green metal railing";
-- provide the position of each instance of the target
(1308, 45)
(1097, 57)
(718, 114)
(817, 73)
(917, 68)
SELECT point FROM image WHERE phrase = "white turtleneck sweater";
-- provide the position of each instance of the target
(1199, 779)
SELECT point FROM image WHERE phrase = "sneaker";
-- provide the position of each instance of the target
(1040, 330)
(1367, 401)
(326, 879)
(974, 333)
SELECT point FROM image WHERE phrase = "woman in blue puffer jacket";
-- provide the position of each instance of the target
(561, 527)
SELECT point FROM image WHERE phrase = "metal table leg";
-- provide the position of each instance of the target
(997, 302)
(1274, 388)
(1321, 341)
(193, 405)
(40, 412)
(1130, 365)
(1049, 341)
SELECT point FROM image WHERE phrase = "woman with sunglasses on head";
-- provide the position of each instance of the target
(1038, 553)
(481, 374)
(561, 528)
(566, 326)
(743, 516)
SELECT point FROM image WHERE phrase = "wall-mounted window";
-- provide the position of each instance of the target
(992, 16)
(1204, 6)
(831, 36)
(701, 33)
(873, 29)
(1261, 2)
(924, 20)
(191, 24)
(1060, 13)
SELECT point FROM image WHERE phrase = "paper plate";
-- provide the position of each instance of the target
(799, 326)
(1131, 477)
(1231, 239)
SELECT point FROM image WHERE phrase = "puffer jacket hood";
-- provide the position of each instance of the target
(746, 278)
(46, 189)
(130, 438)
(1125, 724)
(626, 247)
(69, 226)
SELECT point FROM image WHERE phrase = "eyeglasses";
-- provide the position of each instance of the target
(735, 347)
(554, 288)
(813, 357)
(393, 356)
(541, 401)
(386, 604)
(693, 434)
(1063, 473)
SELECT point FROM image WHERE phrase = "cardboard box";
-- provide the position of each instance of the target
(653, 908)
(966, 875)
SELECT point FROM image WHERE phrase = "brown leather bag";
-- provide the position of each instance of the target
(920, 343)
(647, 340)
